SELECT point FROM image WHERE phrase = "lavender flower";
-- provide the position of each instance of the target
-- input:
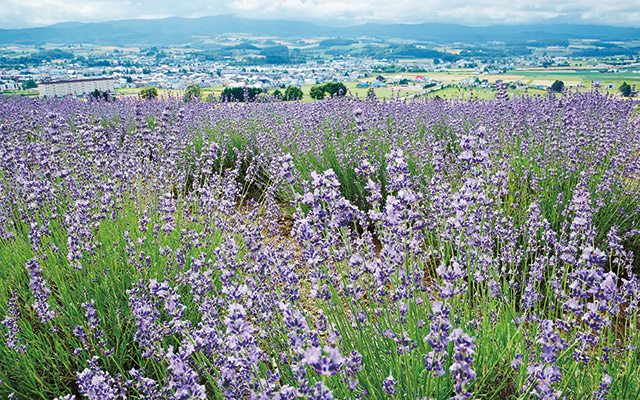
(183, 380)
(96, 384)
(605, 387)
(10, 322)
(389, 385)
(461, 371)
(40, 291)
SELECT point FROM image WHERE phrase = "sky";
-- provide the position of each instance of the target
(32, 13)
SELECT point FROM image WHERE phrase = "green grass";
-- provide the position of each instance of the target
(20, 93)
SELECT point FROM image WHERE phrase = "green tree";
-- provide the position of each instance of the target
(625, 89)
(29, 84)
(240, 93)
(558, 86)
(293, 93)
(316, 93)
(149, 93)
(192, 92)
(328, 89)
(335, 88)
(97, 95)
(277, 94)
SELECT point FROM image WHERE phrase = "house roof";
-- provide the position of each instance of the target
(76, 80)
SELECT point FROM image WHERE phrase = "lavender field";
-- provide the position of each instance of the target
(342, 249)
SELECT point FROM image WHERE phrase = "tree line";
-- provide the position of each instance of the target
(248, 94)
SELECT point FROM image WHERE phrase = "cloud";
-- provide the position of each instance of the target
(27, 13)
(472, 12)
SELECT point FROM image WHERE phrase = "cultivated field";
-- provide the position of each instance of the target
(347, 248)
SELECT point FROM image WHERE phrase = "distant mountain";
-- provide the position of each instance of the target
(177, 30)
(503, 33)
(174, 30)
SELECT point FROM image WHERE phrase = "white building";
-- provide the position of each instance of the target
(76, 87)
(8, 85)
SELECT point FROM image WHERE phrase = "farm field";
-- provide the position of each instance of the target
(349, 248)
(569, 78)
(382, 93)
(479, 93)
(134, 92)
(450, 82)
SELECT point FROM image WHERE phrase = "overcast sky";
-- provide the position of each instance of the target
(29, 13)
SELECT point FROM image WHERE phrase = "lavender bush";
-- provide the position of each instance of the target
(347, 248)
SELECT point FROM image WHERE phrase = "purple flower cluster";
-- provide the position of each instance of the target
(461, 371)
(97, 384)
(10, 323)
(542, 375)
(94, 331)
(147, 301)
(438, 338)
(40, 291)
(389, 385)
(183, 380)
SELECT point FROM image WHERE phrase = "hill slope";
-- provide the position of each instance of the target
(178, 30)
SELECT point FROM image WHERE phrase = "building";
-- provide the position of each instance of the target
(75, 87)
(8, 85)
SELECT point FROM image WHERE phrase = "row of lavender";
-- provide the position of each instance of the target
(438, 249)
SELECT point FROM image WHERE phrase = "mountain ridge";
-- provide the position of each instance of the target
(182, 30)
